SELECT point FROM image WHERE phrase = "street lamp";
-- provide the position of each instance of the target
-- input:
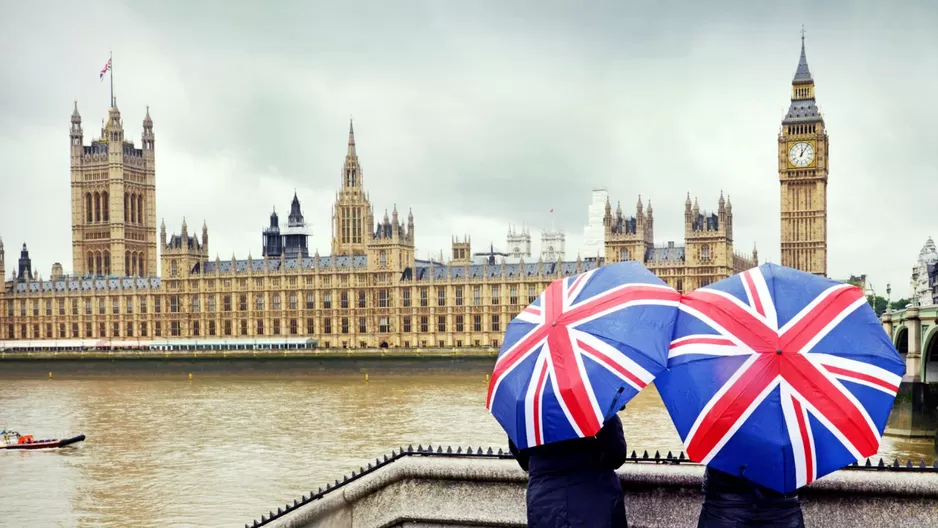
(914, 297)
(888, 298)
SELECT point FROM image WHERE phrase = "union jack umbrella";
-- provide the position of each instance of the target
(586, 346)
(779, 376)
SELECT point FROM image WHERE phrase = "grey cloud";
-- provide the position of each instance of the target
(483, 109)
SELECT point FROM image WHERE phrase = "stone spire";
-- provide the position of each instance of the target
(802, 74)
(351, 140)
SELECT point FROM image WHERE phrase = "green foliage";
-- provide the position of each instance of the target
(879, 304)
(900, 304)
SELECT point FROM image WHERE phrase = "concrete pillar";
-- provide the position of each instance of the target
(913, 414)
(887, 323)
(913, 365)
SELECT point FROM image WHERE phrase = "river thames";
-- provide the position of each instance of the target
(224, 448)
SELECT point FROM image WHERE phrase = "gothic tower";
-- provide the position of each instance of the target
(352, 215)
(628, 237)
(708, 243)
(113, 200)
(3, 276)
(519, 242)
(802, 173)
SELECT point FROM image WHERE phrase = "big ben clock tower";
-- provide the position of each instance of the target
(802, 173)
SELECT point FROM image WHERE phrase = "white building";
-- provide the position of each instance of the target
(519, 242)
(553, 242)
(924, 274)
(594, 232)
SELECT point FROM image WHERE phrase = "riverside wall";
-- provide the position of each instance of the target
(425, 490)
(91, 362)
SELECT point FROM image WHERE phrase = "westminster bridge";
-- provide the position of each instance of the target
(914, 332)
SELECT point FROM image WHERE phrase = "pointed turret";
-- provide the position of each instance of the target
(803, 73)
(147, 139)
(163, 233)
(351, 140)
(803, 108)
(114, 128)
(296, 213)
(75, 133)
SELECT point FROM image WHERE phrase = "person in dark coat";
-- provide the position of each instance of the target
(731, 501)
(574, 483)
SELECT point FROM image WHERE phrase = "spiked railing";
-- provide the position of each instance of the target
(634, 458)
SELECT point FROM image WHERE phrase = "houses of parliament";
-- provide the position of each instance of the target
(371, 290)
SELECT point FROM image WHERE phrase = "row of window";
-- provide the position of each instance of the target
(242, 302)
(409, 324)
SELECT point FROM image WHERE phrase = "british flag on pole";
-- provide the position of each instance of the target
(779, 376)
(586, 346)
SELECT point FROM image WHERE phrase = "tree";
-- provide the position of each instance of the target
(900, 304)
(878, 304)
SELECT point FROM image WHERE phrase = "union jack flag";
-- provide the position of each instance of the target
(779, 373)
(588, 342)
(104, 70)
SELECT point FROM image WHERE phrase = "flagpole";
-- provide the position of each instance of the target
(110, 61)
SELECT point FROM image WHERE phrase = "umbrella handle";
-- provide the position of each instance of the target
(615, 399)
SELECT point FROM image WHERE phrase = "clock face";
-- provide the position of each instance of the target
(801, 154)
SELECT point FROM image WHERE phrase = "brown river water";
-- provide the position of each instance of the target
(226, 447)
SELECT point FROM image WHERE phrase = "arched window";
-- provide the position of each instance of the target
(107, 263)
(126, 206)
(90, 269)
(139, 209)
(106, 205)
(705, 253)
(127, 258)
(140, 270)
(97, 207)
(133, 208)
(97, 263)
(89, 208)
(623, 255)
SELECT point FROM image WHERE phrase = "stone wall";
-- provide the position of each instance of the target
(480, 491)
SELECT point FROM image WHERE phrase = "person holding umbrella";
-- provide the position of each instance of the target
(731, 501)
(776, 378)
(574, 482)
(568, 363)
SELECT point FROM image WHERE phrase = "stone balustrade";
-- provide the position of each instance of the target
(436, 489)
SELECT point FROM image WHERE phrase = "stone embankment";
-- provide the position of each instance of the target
(436, 487)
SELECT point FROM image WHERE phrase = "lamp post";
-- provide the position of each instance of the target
(888, 298)
(914, 296)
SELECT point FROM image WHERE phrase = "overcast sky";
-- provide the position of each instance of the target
(478, 115)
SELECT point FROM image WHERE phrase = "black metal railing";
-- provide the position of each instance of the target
(635, 458)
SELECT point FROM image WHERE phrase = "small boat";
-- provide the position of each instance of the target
(14, 440)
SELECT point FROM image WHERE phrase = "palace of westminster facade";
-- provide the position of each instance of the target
(372, 290)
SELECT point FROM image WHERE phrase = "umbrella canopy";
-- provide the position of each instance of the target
(585, 347)
(779, 376)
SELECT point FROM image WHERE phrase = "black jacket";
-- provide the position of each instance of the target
(731, 501)
(573, 483)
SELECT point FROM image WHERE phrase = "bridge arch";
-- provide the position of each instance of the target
(930, 356)
(901, 342)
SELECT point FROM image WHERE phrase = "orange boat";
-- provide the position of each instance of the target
(14, 440)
